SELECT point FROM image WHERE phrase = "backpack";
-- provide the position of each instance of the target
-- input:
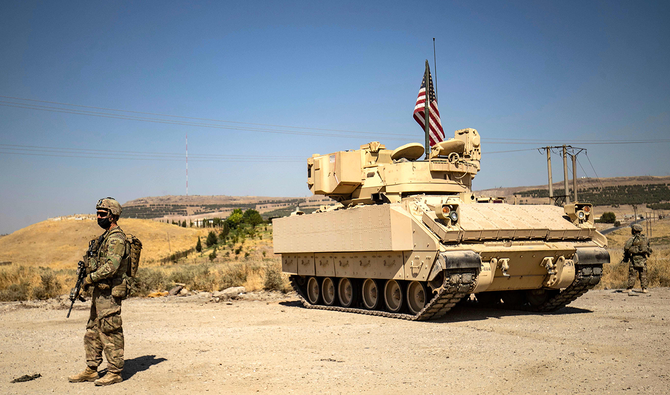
(133, 250)
(135, 247)
(639, 245)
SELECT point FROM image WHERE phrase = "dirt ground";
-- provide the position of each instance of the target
(605, 342)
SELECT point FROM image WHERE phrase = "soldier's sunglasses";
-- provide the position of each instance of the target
(103, 214)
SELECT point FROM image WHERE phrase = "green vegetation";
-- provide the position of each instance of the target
(286, 211)
(659, 206)
(608, 217)
(211, 239)
(649, 194)
(159, 210)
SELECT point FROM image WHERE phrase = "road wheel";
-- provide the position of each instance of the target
(393, 296)
(346, 292)
(371, 294)
(313, 290)
(416, 297)
(328, 291)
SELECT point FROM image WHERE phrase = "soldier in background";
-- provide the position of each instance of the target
(105, 268)
(635, 252)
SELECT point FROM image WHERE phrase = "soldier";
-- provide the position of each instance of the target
(105, 268)
(635, 252)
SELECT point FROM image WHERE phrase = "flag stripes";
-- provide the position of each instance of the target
(435, 132)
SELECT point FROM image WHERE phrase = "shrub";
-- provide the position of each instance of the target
(234, 276)
(15, 292)
(211, 239)
(608, 217)
(194, 277)
(273, 279)
(148, 280)
(50, 287)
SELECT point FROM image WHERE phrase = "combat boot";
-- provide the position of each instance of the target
(89, 374)
(108, 379)
(644, 291)
(631, 293)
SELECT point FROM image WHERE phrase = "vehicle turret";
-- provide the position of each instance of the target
(374, 174)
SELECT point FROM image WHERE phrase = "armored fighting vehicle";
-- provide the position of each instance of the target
(409, 239)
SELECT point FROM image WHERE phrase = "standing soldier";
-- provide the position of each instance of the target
(635, 252)
(106, 265)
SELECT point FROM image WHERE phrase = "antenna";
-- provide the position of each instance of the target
(186, 163)
(435, 67)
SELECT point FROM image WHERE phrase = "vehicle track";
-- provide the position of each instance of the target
(457, 285)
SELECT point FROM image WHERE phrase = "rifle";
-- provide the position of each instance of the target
(75, 293)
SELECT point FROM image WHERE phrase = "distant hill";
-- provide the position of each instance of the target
(196, 207)
(60, 242)
(640, 190)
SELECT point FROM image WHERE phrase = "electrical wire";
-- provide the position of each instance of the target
(264, 128)
(594, 169)
(134, 155)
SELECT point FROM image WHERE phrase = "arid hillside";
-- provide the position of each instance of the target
(59, 243)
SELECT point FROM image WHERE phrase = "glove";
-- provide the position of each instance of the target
(88, 281)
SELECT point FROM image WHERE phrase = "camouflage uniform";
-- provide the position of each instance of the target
(104, 331)
(635, 252)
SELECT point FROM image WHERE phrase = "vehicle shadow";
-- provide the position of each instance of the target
(291, 303)
(475, 312)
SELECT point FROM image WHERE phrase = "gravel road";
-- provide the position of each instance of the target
(605, 342)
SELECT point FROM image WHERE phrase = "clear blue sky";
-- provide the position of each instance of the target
(332, 75)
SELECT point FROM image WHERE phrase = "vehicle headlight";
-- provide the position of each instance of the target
(453, 216)
(581, 215)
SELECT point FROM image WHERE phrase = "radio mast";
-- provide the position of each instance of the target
(186, 163)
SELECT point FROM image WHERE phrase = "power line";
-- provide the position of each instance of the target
(504, 152)
(87, 150)
(134, 155)
(140, 155)
(594, 170)
(185, 117)
(292, 130)
(302, 132)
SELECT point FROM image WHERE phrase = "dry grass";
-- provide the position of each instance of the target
(44, 258)
(61, 244)
(615, 275)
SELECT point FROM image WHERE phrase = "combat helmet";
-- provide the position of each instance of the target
(110, 204)
(636, 228)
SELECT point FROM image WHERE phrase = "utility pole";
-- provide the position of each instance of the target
(574, 176)
(565, 151)
(565, 174)
(551, 183)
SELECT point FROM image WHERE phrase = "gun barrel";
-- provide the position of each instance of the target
(75, 292)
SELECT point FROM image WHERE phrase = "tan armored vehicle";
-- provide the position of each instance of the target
(409, 239)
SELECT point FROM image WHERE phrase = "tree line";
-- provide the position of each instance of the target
(652, 195)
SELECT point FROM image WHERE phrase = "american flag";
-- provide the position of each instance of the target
(436, 132)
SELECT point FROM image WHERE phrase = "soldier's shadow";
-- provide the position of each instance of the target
(139, 364)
